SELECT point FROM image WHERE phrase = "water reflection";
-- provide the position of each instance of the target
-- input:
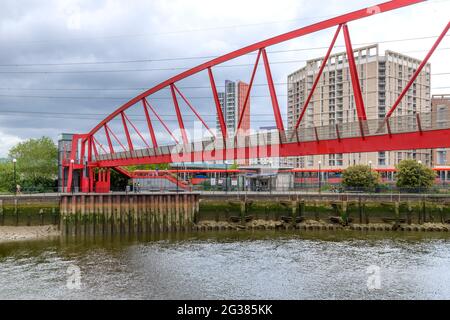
(231, 265)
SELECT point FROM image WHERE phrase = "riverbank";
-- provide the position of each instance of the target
(9, 234)
(312, 225)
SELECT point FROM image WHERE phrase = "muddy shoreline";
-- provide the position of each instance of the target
(13, 234)
(9, 234)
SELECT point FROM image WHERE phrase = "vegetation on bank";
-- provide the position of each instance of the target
(411, 176)
(414, 175)
(36, 166)
(360, 177)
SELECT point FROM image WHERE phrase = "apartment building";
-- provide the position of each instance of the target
(382, 78)
(440, 106)
(232, 102)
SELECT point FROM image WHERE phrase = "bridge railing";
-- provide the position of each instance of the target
(401, 124)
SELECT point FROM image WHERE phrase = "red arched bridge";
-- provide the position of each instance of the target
(94, 160)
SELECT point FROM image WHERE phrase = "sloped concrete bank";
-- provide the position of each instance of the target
(359, 213)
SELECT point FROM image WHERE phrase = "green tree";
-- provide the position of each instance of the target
(360, 177)
(37, 163)
(118, 181)
(414, 175)
(6, 177)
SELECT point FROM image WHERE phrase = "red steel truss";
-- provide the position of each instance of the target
(95, 172)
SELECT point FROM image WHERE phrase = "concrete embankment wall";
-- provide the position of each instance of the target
(114, 214)
(352, 208)
(29, 210)
(160, 212)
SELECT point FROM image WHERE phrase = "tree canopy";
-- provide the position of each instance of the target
(414, 175)
(37, 164)
(360, 177)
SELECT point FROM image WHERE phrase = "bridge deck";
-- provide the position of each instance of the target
(419, 131)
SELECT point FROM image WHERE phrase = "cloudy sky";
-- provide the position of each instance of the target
(64, 65)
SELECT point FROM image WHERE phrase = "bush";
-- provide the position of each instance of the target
(414, 176)
(360, 177)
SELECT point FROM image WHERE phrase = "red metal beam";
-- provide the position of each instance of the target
(179, 116)
(352, 16)
(160, 120)
(137, 131)
(219, 111)
(416, 74)
(96, 142)
(94, 147)
(117, 139)
(354, 75)
(127, 133)
(111, 148)
(401, 141)
(193, 110)
(100, 145)
(83, 149)
(316, 82)
(90, 143)
(150, 125)
(273, 94)
(247, 97)
(70, 177)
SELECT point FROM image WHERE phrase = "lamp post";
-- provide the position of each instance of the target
(420, 163)
(320, 177)
(15, 180)
(177, 179)
(71, 167)
(370, 164)
(226, 176)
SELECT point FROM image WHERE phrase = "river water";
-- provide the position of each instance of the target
(231, 265)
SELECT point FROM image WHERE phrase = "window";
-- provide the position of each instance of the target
(382, 158)
(336, 160)
(340, 159)
(441, 157)
(399, 157)
(441, 117)
(332, 160)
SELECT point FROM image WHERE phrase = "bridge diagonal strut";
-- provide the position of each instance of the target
(127, 132)
(247, 96)
(150, 125)
(116, 138)
(148, 105)
(273, 95)
(316, 81)
(361, 110)
(137, 131)
(223, 127)
(418, 71)
(179, 116)
(193, 110)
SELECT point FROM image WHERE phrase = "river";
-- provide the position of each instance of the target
(231, 265)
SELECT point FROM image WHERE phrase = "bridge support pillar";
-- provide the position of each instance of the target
(103, 183)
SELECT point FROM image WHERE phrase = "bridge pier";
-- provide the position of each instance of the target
(134, 214)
